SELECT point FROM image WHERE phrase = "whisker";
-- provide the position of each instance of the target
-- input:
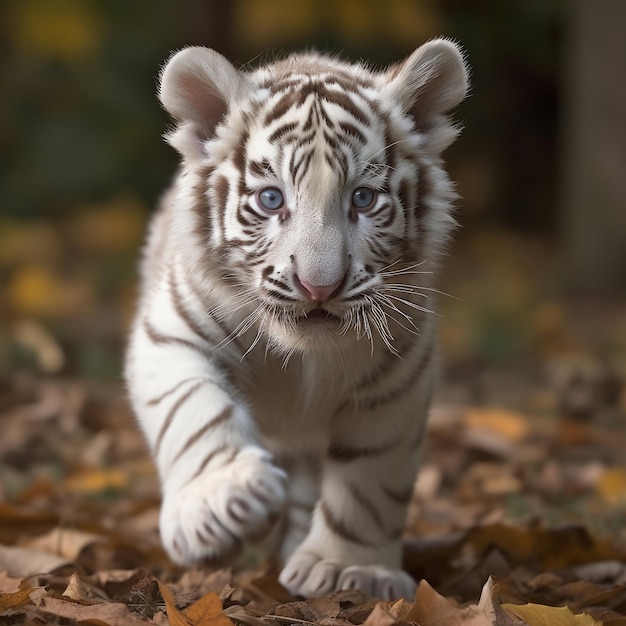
(391, 145)
(241, 328)
(412, 305)
(404, 270)
(379, 320)
(386, 302)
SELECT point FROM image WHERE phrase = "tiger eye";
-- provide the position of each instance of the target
(271, 198)
(363, 198)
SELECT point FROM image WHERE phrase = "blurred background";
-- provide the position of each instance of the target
(539, 266)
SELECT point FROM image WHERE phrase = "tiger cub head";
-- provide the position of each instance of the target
(319, 186)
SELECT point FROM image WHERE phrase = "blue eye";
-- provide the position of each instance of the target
(363, 198)
(270, 198)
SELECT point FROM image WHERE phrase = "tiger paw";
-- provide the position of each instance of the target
(307, 574)
(210, 518)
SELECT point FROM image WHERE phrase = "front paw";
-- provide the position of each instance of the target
(210, 518)
(307, 574)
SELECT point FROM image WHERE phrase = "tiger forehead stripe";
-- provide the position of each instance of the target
(344, 99)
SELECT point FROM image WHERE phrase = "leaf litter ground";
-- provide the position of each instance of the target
(518, 515)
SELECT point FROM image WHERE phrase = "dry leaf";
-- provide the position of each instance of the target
(96, 481)
(110, 613)
(14, 600)
(23, 562)
(382, 616)
(432, 609)
(207, 611)
(539, 615)
(65, 542)
(612, 486)
(174, 615)
(500, 421)
(81, 591)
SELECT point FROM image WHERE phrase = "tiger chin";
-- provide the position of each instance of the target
(283, 356)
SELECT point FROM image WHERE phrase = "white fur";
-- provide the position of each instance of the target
(250, 414)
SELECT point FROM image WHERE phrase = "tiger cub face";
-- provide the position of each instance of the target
(319, 188)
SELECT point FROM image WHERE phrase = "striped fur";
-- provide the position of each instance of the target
(283, 355)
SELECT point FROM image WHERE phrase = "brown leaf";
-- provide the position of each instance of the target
(110, 613)
(207, 611)
(382, 616)
(539, 615)
(174, 615)
(22, 562)
(81, 591)
(432, 609)
(14, 600)
(243, 615)
(65, 542)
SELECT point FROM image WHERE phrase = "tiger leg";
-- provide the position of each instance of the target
(355, 539)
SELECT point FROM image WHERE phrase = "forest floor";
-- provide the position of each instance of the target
(518, 514)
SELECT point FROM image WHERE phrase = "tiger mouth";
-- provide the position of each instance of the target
(318, 315)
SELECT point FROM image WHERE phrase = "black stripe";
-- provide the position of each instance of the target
(280, 108)
(169, 392)
(224, 416)
(343, 454)
(413, 378)
(172, 412)
(398, 497)
(338, 527)
(282, 130)
(367, 505)
(165, 340)
(210, 456)
(183, 313)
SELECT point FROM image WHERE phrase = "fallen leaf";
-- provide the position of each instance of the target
(539, 615)
(612, 486)
(64, 542)
(81, 591)
(22, 562)
(503, 422)
(207, 611)
(432, 609)
(96, 481)
(382, 615)
(109, 613)
(14, 600)
(174, 615)
(241, 615)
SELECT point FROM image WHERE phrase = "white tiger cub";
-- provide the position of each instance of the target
(283, 355)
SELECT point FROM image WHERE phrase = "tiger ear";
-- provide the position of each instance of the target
(430, 82)
(197, 87)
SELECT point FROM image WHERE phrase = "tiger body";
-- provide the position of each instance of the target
(283, 356)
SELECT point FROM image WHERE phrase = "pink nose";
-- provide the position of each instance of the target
(319, 293)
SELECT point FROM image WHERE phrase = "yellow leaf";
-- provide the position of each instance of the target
(69, 30)
(499, 421)
(539, 615)
(38, 291)
(14, 600)
(175, 617)
(96, 481)
(612, 485)
(117, 225)
(207, 611)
